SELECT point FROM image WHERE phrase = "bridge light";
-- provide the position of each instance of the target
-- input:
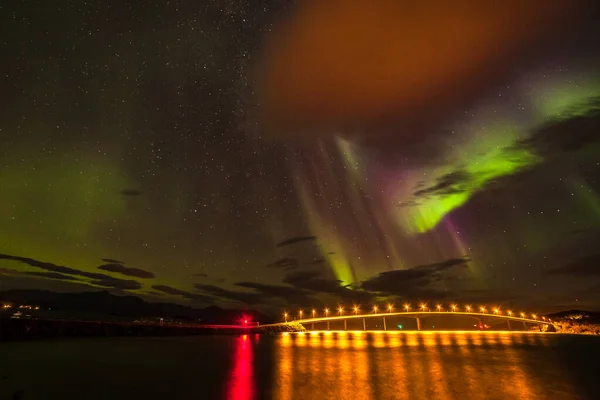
(375, 309)
(534, 316)
(245, 322)
(453, 307)
(285, 316)
(326, 311)
(509, 313)
(406, 307)
(341, 310)
(300, 314)
(468, 308)
(522, 315)
(355, 310)
(423, 306)
(497, 311)
(390, 307)
(544, 318)
(482, 309)
(439, 307)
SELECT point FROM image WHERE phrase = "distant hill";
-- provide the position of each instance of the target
(577, 321)
(576, 315)
(103, 303)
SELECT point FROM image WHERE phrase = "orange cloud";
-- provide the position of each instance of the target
(338, 63)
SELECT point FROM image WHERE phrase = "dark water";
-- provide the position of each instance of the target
(473, 365)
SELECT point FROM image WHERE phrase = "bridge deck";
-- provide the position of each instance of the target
(414, 314)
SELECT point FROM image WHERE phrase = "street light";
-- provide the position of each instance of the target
(390, 307)
(341, 310)
(522, 315)
(300, 313)
(406, 307)
(453, 307)
(468, 308)
(482, 309)
(534, 316)
(509, 313)
(355, 310)
(375, 309)
(439, 307)
(497, 311)
(285, 316)
(423, 307)
(326, 311)
(313, 312)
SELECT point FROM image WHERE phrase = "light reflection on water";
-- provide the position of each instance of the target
(428, 365)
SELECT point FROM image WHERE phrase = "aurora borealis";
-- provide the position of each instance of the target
(264, 153)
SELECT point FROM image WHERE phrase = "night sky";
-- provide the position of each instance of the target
(274, 154)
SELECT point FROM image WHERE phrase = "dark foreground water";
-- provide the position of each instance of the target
(472, 365)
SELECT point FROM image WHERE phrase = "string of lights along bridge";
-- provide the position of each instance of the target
(328, 316)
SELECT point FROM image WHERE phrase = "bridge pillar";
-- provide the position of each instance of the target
(525, 325)
(364, 325)
(509, 328)
(540, 327)
(345, 325)
(384, 325)
(418, 324)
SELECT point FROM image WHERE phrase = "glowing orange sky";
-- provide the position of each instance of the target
(340, 62)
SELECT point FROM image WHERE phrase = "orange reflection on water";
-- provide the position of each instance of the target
(241, 380)
(403, 365)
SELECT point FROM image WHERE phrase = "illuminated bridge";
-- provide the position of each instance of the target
(387, 320)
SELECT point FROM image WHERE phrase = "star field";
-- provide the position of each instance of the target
(144, 150)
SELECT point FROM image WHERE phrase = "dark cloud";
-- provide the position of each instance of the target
(297, 239)
(586, 266)
(285, 263)
(129, 192)
(177, 292)
(249, 298)
(577, 129)
(413, 282)
(292, 295)
(97, 279)
(52, 275)
(314, 282)
(451, 183)
(121, 269)
(112, 261)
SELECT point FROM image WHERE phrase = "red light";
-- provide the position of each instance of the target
(245, 321)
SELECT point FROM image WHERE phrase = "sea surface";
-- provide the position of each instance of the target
(336, 365)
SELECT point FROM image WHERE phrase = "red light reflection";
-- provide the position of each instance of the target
(241, 380)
